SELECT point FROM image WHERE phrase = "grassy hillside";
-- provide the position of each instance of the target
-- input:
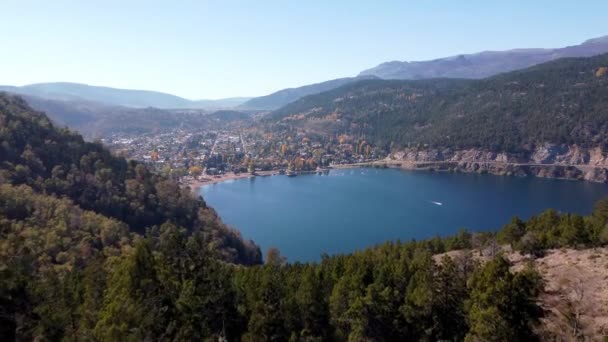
(565, 101)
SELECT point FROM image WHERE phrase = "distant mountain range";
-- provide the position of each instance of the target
(484, 64)
(285, 96)
(97, 120)
(472, 66)
(65, 91)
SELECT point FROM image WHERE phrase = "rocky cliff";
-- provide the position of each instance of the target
(549, 160)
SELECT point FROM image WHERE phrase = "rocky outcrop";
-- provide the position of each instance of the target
(549, 160)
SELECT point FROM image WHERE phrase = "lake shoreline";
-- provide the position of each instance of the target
(197, 184)
(587, 173)
(550, 171)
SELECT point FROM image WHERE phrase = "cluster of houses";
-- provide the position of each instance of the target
(199, 153)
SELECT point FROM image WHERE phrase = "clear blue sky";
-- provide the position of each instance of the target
(223, 48)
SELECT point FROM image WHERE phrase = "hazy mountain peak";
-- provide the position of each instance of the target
(69, 91)
(485, 63)
(598, 40)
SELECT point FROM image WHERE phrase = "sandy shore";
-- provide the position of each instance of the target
(197, 184)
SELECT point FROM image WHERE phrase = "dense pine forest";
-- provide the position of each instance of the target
(94, 247)
(561, 102)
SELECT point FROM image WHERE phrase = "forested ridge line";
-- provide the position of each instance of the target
(558, 102)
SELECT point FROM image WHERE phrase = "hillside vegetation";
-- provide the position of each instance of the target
(285, 96)
(561, 102)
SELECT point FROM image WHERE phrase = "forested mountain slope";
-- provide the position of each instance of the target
(285, 96)
(561, 102)
(59, 163)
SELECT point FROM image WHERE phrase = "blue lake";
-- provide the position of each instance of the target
(349, 209)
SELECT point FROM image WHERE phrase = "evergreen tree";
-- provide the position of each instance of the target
(512, 232)
(312, 305)
(418, 305)
(450, 294)
(503, 305)
(135, 306)
(267, 321)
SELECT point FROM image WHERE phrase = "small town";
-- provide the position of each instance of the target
(196, 157)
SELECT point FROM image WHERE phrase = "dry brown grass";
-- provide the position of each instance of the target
(576, 293)
(575, 297)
